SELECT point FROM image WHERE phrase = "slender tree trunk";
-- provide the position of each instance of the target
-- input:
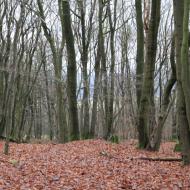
(84, 60)
(96, 90)
(32, 120)
(71, 71)
(147, 108)
(57, 62)
(112, 24)
(166, 103)
(97, 72)
(104, 76)
(48, 100)
(140, 50)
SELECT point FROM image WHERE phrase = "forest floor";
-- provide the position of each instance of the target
(90, 164)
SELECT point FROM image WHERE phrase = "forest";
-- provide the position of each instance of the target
(94, 94)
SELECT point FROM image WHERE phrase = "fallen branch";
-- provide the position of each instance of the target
(106, 154)
(161, 159)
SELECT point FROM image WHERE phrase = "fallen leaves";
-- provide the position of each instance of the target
(90, 164)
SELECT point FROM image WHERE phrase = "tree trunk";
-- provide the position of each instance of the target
(181, 16)
(185, 60)
(57, 62)
(147, 108)
(112, 24)
(140, 50)
(166, 103)
(48, 100)
(84, 60)
(96, 89)
(182, 122)
(71, 71)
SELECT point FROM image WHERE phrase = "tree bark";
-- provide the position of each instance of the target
(182, 122)
(181, 16)
(140, 50)
(146, 120)
(71, 71)
(99, 56)
(48, 96)
(185, 59)
(112, 25)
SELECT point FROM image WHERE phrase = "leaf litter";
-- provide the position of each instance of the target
(90, 164)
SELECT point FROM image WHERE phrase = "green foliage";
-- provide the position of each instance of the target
(141, 146)
(174, 138)
(87, 136)
(114, 139)
(177, 148)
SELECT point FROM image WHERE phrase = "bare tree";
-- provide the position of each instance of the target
(57, 62)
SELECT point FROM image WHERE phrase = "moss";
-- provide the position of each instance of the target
(177, 148)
